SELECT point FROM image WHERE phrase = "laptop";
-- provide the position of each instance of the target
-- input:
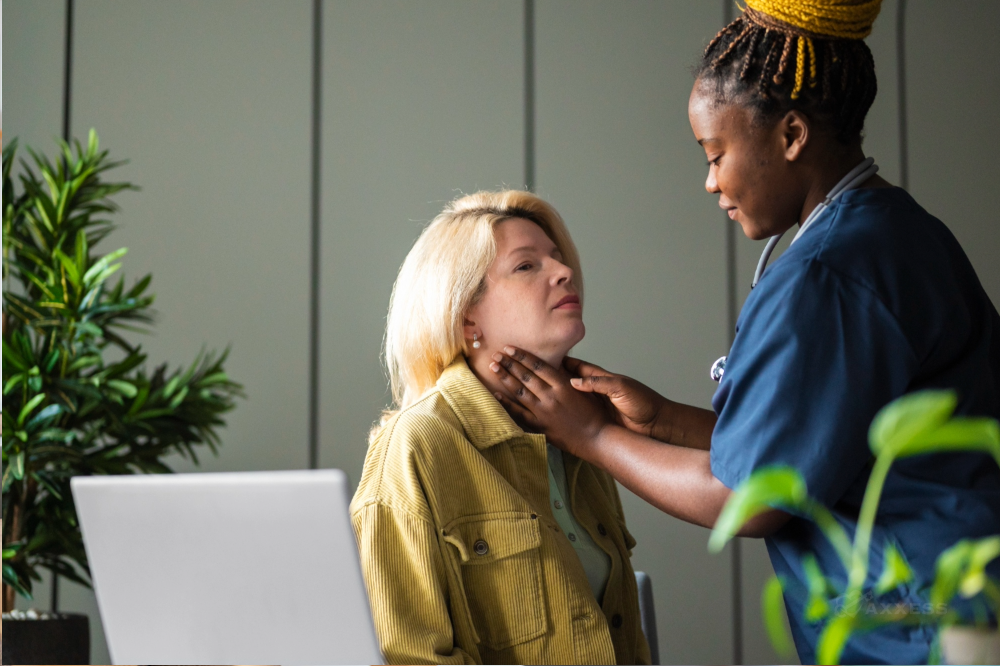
(232, 568)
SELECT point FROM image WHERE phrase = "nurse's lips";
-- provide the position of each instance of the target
(730, 210)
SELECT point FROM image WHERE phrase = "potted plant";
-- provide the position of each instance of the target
(916, 424)
(77, 398)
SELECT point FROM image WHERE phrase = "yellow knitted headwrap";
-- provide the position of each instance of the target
(814, 19)
(837, 19)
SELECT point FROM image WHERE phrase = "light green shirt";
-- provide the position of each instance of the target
(596, 563)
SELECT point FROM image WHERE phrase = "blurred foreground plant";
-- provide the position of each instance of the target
(915, 424)
(69, 410)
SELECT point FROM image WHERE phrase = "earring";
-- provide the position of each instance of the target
(476, 344)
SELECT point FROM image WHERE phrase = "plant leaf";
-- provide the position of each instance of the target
(70, 266)
(902, 419)
(949, 568)
(958, 434)
(101, 264)
(125, 388)
(818, 606)
(17, 465)
(982, 553)
(772, 606)
(770, 487)
(896, 571)
(29, 406)
(833, 639)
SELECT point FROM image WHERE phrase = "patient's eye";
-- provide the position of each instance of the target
(526, 266)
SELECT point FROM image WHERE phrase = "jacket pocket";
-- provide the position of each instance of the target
(502, 574)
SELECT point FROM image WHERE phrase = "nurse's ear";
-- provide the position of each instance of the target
(794, 132)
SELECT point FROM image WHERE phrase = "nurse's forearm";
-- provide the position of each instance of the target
(676, 479)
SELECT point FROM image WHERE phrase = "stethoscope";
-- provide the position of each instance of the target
(854, 177)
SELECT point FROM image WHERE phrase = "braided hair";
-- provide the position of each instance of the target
(772, 67)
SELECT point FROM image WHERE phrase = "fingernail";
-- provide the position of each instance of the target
(576, 382)
(498, 396)
(509, 350)
(494, 367)
(498, 357)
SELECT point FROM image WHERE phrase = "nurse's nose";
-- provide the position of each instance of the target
(711, 184)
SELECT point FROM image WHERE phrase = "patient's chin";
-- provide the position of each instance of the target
(554, 352)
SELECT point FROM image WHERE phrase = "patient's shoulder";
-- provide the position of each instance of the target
(400, 454)
(426, 423)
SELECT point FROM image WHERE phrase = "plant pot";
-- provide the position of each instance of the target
(970, 645)
(50, 638)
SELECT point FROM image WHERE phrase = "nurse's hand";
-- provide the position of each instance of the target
(541, 398)
(637, 407)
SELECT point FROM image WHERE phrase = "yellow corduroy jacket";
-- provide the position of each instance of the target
(462, 557)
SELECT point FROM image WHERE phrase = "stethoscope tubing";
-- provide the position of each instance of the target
(854, 177)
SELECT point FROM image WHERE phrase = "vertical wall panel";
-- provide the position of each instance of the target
(422, 102)
(33, 39)
(617, 158)
(212, 110)
(210, 102)
(954, 92)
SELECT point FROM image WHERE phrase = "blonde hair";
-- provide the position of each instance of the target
(444, 275)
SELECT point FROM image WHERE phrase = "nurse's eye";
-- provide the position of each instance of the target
(715, 162)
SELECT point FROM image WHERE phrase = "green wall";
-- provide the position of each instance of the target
(211, 102)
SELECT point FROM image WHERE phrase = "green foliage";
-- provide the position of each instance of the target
(772, 604)
(68, 409)
(915, 424)
(895, 572)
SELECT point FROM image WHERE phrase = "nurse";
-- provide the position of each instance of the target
(874, 299)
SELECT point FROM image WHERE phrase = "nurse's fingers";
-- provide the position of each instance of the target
(533, 382)
(518, 390)
(522, 416)
(609, 385)
(582, 368)
(538, 367)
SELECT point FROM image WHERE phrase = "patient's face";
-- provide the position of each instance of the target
(530, 300)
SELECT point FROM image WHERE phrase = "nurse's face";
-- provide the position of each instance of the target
(750, 165)
(530, 301)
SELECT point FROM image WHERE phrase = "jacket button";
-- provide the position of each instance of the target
(616, 620)
(601, 529)
(481, 547)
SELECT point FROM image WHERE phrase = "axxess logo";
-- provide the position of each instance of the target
(868, 604)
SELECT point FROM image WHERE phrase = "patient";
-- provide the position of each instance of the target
(481, 543)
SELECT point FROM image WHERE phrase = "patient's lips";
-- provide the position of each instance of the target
(568, 302)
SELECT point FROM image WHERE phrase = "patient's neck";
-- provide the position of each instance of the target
(479, 362)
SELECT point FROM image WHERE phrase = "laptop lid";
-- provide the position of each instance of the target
(233, 568)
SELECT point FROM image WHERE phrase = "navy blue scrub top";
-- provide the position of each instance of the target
(875, 300)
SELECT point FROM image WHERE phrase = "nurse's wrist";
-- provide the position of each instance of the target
(664, 428)
(684, 425)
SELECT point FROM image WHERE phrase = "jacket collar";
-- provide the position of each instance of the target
(484, 419)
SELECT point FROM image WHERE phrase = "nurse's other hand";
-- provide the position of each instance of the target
(541, 398)
(637, 407)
